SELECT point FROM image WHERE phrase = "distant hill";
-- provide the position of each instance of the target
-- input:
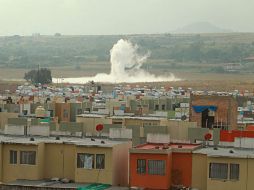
(201, 27)
(75, 51)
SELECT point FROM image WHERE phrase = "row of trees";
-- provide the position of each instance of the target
(42, 76)
(200, 52)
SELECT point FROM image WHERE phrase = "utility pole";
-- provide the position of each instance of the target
(38, 79)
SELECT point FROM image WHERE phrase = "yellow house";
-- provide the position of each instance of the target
(78, 159)
(223, 169)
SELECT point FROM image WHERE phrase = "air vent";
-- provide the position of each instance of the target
(215, 148)
(102, 142)
(92, 139)
(231, 151)
(57, 138)
(180, 146)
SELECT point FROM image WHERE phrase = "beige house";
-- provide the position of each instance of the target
(223, 169)
(78, 159)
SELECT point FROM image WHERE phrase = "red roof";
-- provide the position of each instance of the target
(250, 128)
(149, 146)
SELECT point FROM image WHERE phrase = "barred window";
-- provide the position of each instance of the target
(141, 166)
(13, 157)
(100, 161)
(218, 171)
(234, 171)
(28, 157)
(156, 167)
(85, 160)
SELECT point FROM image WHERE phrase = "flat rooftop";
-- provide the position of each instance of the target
(164, 148)
(136, 117)
(91, 142)
(150, 118)
(93, 115)
(226, 152)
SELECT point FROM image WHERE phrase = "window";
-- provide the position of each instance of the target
(218, 171)
(156, 107)
(27, 157)
(156, 167)
(85, 161)
(141, 166)
(234, 171)
(13, 157)
(65, 113)
(100, 161)
(163, 107)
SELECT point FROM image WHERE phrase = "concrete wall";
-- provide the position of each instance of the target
(90, 123)
(178, 130)
(199, 134)
(155, 130)
(40, 130)
(4, 116)
(120, 133)
(135, 135)
(244, 143)
(199, 171)
(158, 138)
(71, 127)
(120, 164)
(107, 127)
(14, 130)
(17, 121)
(1, 162)
(14, 108)
(249, 180)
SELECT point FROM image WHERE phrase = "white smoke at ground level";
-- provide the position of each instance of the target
(126, 66)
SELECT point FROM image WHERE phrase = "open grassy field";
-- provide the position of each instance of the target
(195, 80)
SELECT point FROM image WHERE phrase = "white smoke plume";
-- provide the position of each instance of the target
(125, 67)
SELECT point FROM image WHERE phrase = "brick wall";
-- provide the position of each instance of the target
(226, 109)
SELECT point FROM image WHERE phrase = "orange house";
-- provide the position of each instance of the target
(161, 166)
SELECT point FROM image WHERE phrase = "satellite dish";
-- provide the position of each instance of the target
(184, 117)
(99, 127)
(208, 136)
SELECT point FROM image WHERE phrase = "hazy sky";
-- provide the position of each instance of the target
(25, 17)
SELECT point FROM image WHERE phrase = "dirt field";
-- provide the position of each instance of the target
(195, 80)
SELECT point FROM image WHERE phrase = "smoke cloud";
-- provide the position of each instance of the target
(125, 67)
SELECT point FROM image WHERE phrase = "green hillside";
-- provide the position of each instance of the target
(167, 50)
